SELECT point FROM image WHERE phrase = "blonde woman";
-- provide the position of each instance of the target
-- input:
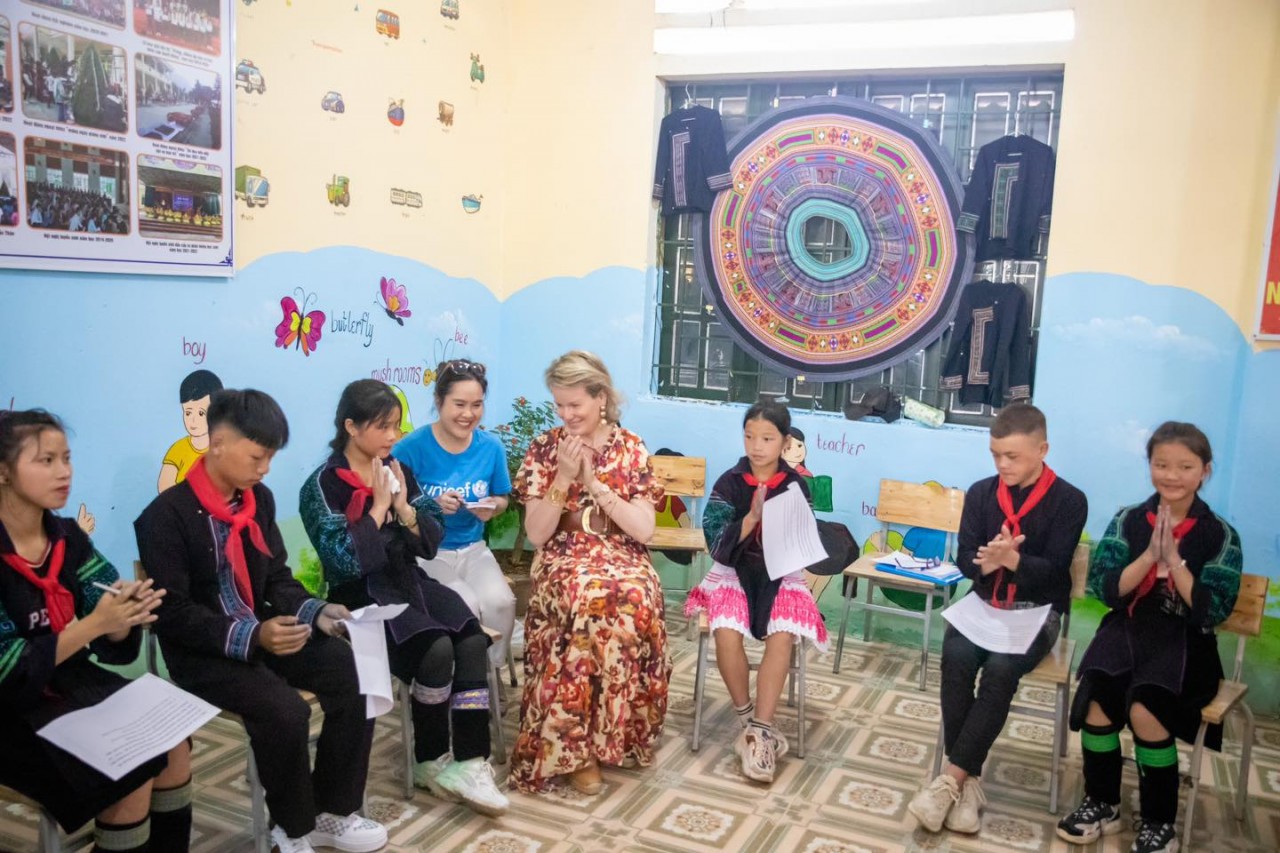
(595, 641)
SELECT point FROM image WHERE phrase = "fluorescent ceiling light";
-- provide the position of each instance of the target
(1029, 28)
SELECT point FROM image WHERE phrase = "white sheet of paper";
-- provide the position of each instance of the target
(790, 534)
(487, 503)
(147, 717)
(369, 645)
(1005, 631)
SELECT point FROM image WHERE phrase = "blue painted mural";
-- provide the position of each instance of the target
(1117, 356)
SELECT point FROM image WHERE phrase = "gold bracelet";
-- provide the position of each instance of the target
(556, 497)
(412, 522)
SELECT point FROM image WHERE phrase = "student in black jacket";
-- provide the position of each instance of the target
(1018, 534)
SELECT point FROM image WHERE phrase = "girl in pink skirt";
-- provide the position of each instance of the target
(740, 598)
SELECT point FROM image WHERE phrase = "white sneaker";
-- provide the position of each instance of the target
(284, 844)
(931, 803)
(965, 814)
(425, 774)
(353, 834)
(472, 782)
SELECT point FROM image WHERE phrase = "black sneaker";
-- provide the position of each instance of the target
(1090, 819)
(1155, 838)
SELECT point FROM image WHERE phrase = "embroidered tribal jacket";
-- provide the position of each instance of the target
(1009, 197)
(183, 549)
(989, 360)
(693, 165)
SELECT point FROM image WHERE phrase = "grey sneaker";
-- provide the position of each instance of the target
(933, 802)
(965, 815)
(425, 774)
(352, 833)
(1091, 819)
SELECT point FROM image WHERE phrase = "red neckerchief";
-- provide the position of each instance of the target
(359, 498)
(1148, 582)
(1004, 497)
(58, 600)
(220, 508)
(772, 482)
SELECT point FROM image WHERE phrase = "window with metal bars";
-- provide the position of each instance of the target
(696, 357)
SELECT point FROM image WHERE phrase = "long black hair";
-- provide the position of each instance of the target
(363, 401)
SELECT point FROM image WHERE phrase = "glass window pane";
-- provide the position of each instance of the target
(772, 383)
(719, 357)
(1035, 115)
(897, 103)
(930, 109)
(685, 346)
(991, 120)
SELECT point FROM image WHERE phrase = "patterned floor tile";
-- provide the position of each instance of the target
(870, 735)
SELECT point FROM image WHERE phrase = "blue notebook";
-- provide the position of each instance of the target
(943, 574)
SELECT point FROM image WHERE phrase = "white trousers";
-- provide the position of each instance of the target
(473, 573)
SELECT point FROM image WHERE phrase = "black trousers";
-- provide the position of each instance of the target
(264, 693)
(971, 723)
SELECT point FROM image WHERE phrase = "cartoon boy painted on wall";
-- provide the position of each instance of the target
(194, 395)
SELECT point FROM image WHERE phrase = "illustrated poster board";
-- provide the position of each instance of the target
(115, 136)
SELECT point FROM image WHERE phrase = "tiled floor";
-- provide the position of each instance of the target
(870, 744)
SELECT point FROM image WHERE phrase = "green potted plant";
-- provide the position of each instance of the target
(528, 421)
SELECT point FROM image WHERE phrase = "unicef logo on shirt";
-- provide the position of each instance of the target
(480, 488)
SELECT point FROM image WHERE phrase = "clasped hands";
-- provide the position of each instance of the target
(576, 461)
(1163, 547)
(1001, 552)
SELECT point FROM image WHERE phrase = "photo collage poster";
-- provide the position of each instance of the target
(115, 136)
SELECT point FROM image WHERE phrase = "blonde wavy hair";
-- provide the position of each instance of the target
(581, 369)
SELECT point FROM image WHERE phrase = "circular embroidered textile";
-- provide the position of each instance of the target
(896, 195)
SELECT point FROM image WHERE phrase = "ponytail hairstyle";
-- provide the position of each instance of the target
(363, 401)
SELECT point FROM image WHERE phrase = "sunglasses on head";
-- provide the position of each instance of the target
(461, 365)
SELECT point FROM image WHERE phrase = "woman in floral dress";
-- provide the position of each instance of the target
(596, 660)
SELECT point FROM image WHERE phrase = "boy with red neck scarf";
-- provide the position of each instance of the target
(1018, 534)
(238, 630)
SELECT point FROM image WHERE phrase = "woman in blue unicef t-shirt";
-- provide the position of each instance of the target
(465, 470)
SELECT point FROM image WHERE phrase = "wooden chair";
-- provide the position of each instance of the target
(1055, 670)
(1245, 621)
(915, 505)
(499, 747)
(683, 477)
(797, 685)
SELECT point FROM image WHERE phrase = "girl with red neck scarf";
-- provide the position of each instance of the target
(1169, 569)
(52, 616)
(370, 523)
(740, 598)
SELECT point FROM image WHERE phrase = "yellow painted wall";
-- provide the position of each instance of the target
(307, 48)
(1167, 145)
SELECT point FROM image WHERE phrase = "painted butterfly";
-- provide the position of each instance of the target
(395, 300)
(299, 329)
